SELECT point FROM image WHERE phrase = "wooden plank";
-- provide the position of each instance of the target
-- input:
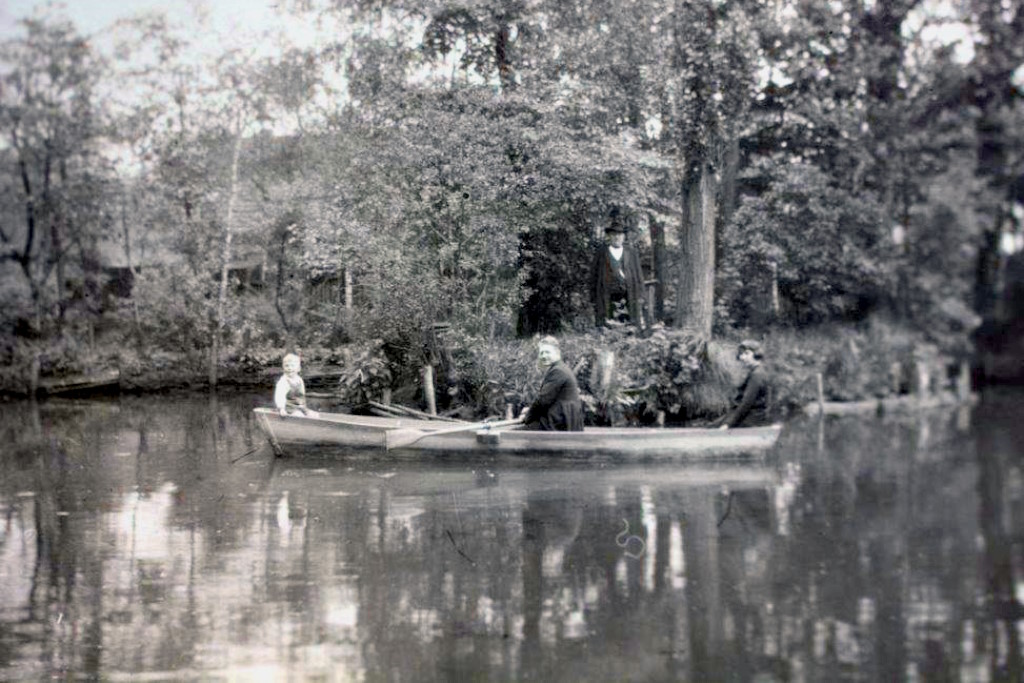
(95, 380)
(405, 410)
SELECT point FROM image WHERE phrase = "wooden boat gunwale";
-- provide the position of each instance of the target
(367, 431)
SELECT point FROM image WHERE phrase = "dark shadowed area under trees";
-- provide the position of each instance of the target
(830, 178)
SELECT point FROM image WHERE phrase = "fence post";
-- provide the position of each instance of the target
(821, 395)
(428, 389)
(963, 382)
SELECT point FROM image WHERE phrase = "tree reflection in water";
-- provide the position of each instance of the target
(145, 537)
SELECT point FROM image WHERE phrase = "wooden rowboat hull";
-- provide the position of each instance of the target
(293, 432)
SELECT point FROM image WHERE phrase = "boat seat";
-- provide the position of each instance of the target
(488, 437)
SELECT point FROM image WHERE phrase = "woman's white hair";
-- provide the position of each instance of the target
(550, 341)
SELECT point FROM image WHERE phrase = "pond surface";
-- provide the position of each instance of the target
(156, 538)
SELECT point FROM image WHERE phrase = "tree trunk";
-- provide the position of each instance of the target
(695, 289)
(24, 258)
(56, 240)
(225, 259)
(730, 169)
(506, 76)
(659, 268)
(131, 266)
(279, 283)
(347, 274)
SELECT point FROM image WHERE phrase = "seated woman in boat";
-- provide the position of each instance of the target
(557, 406)
(290, 392)
(751, 404)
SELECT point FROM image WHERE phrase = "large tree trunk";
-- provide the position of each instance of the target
(24, 257)
(730, 169)
(695, 293)
(225, 260)
(659, 267)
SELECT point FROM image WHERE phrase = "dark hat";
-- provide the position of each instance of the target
(615, 221)
(753, 346)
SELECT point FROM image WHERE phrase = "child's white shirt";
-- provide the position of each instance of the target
(284, 385)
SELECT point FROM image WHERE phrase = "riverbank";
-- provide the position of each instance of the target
(625, 378)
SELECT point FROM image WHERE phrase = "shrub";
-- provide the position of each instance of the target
(668, 371)
(830, 246)
(366, 372)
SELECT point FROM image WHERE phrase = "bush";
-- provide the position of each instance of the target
(862, 361)
(831, 249)
(366, 372)
(668, 371)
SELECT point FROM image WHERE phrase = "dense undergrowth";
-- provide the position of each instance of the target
(625, 378)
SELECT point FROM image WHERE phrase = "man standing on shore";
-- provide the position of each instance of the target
(616, 278)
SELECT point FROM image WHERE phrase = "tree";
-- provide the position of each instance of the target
(714, 49)
(50, 123)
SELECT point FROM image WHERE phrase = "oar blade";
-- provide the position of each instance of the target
(401, 438)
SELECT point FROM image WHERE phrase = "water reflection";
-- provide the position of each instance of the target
(156, 538)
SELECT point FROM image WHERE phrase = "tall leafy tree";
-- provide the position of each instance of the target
(50, 122)
(713, 49)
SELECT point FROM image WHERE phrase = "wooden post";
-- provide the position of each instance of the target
(922, 380)
(821, 433)
(652, 290)
(33, 380)
(347, 275)
(896, 377)
(775, 289)
(821, 395)
(604, 371)
(428, 389)
(385, 396)
(963, 382)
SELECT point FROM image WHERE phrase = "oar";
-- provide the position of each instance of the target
(400, 438)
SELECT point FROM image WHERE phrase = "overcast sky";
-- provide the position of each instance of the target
(217, 23)
(90, 16)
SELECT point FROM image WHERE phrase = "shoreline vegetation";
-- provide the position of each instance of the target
(626, 378)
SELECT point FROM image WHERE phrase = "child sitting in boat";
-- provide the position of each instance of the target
(290, 393)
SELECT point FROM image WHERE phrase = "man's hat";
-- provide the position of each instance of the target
(614, 221)
(751, 345)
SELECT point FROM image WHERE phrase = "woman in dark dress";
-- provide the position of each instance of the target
(751, 404)
(557, 406)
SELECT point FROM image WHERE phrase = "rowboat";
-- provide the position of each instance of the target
(293, 432)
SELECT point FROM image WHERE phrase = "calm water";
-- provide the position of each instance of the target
(157, 539)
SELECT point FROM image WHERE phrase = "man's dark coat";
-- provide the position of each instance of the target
(557, 407)
(602, 279)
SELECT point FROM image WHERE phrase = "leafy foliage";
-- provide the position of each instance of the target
(366, 373)
(831, 248)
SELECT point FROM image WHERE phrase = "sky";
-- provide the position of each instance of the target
(91, 16)
(216, 24)
(261, 28)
